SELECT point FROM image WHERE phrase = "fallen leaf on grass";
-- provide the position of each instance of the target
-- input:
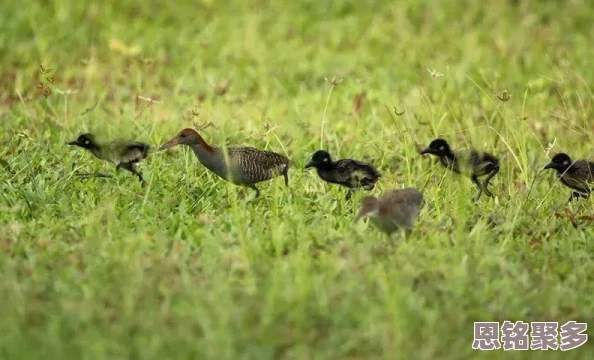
(222, 87)
(571, 218)
(358, 102)
(534, 242)
(569, 215)
(118, 46)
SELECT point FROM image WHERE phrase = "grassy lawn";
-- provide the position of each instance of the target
(187, 268)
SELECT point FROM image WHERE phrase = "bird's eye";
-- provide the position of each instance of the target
(325, 160)
(86, 142)
(442, 148)
(566, 162)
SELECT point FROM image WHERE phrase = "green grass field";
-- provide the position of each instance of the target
(187, 268)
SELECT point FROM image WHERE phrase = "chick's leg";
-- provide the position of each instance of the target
(479, 186)
(493, 170)
(256, 190)
(131, 167)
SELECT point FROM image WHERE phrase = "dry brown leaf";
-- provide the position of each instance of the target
(534, 242)
(223, 87)
(119, 47)
(358, 102)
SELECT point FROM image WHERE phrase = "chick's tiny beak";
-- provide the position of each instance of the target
(73, 142)
(426, 151)
(549, 166)
(170, 143)
(309, 164)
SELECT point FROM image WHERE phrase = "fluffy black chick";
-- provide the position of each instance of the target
(576, 175)
(123, 154)
(470, 162)
(352, 174)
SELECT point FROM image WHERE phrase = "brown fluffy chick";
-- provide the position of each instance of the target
(244, 166)
(395, 210)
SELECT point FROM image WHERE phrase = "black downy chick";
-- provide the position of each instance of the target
(574, 174)
(471, 162)
(123, 154)
(349, 173)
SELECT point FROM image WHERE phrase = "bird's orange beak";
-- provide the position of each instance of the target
(170, 143)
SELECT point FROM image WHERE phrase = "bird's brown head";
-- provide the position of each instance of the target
(185, 137)
(560, 162)
(438, 147)
(369, 207)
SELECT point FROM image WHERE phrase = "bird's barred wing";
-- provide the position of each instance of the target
(265, 159)
(250, 165)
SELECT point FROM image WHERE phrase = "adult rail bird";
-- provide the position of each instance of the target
(244, 166)
(577, 175)
(395, 210)
(122, 153)
(352, 174)
(470, 162)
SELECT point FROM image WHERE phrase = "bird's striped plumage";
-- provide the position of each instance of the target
(251, 166)
(240, 165)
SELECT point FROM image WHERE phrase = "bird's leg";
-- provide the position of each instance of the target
(572, 196)
(407, 233)
(488, 179)
(286, 176)
(348, 194)
(255, 189)
(480, 187)
(577, 195)
(132, 168)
